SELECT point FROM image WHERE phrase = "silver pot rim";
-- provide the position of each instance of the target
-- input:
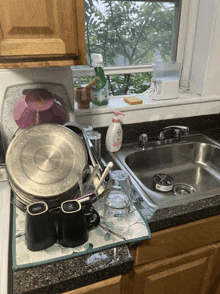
(44, 160)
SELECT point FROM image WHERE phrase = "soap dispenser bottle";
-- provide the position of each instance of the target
(100, 93)
(113, 140)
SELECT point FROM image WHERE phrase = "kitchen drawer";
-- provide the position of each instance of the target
(177, 240)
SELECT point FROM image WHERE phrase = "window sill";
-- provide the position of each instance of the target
(186, 105)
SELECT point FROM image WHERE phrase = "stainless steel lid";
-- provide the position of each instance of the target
(43, 160)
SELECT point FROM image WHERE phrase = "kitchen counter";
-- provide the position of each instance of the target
(72, 273)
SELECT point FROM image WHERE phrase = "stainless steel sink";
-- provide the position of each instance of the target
(195, 161)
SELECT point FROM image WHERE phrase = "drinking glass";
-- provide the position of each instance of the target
(87, 127)
(120, 180)
(116, 211)
(95, 139)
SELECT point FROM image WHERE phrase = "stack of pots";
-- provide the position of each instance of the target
(45, 162)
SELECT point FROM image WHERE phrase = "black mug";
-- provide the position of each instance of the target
(39, 228)
(74, 223)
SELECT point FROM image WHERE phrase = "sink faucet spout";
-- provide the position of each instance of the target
(178, 130)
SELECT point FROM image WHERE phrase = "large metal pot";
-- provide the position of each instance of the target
(43, 163)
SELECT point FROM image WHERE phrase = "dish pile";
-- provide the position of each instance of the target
(44, 163)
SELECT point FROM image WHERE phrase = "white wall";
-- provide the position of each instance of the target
(61, 75)
(205, 69)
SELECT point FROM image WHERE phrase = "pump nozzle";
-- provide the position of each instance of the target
(116, 112)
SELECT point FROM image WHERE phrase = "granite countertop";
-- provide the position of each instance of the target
(72, 273)
(62, 276)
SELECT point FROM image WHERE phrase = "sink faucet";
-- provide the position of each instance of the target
(177, 132)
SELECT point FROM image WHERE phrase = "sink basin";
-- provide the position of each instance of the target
(194, 163)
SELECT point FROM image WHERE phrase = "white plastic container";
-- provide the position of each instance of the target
(113, 140)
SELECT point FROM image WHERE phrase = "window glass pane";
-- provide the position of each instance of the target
(129, 32)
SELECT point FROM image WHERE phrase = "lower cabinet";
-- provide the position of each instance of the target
(185, 274)
(179, 260)
(110, 286)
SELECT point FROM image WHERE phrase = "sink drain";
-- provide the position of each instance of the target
(183, 189)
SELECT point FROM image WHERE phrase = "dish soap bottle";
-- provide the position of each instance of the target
(100, 93)
(113, 140)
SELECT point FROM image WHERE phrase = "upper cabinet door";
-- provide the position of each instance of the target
(42, 29)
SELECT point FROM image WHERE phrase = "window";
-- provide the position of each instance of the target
(130, 34)
(198, 51)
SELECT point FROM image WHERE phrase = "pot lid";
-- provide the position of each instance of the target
(44, 160)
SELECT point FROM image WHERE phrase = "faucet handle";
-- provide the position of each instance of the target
(177, 133)
(143, 138)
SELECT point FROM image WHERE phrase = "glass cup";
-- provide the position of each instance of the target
(95, 138)
(120, 180)
(116, 211)
(87, 127)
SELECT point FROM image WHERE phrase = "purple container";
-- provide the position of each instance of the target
(38, 106)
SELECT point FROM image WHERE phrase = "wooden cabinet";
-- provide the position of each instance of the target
(184, 259)
(215, 276)
(178, 240)
(185, 274)
(180, 260)
(110, 286)
(42, 33)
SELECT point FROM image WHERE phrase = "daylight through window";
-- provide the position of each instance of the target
(129, 33)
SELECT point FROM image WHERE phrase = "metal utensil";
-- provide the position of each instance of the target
(91, 178)
(111, 232)
(87, 199)
(79, 177)
(104, 194)
(93, 197)
(78, 129)
(106, 171)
